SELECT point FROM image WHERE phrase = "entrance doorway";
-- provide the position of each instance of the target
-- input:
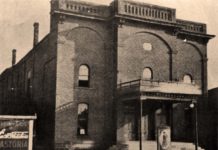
(131, 127)
(154, 115)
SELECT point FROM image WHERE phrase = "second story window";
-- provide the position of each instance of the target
(187, 78)
(147, 74)
(84, 76)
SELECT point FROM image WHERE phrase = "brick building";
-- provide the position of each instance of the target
(212, 113)
(110, 74)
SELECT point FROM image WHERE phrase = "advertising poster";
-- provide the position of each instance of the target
(164, 138)
(14, 134)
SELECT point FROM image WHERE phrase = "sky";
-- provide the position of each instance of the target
(17, 18)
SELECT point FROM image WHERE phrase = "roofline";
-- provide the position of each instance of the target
(198, 22)
(89, 3)
(151, 5)
(198, 34)
(27, 55)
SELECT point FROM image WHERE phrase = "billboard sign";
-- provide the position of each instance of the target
(16, 132)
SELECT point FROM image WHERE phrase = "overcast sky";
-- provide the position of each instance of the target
(17, 18)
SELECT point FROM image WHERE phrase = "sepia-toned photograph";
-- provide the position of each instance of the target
(108, 75)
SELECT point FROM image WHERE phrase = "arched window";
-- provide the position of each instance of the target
(82, 126)
(147, 74)
(187, 78)
(84, 76)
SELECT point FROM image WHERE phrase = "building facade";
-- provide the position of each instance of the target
(211, 109)
(108, 75)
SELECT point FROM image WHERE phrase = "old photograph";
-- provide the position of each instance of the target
(108, 75)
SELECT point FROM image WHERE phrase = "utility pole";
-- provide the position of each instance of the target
(196, 127)
(140, 124)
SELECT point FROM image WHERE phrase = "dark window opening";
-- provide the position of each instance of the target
(28, 88)
(29, 84)
(82, 127)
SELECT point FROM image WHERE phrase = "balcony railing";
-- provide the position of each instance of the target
(85, 8)
(192, 26)
(128, 8)
(163, 87)
(146, 11)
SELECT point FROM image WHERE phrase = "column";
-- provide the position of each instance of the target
(30, 140)
(140, 123)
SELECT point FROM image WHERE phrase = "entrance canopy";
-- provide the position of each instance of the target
(16, 132)
(155, 90)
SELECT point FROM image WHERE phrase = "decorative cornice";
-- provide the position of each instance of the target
(126, 10)
(169, 95)
(201, 35)
(80, 15)
(157, 95)
(151, 21)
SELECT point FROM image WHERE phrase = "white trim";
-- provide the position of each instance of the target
(8, 117)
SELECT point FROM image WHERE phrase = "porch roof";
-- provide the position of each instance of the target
(155, 90)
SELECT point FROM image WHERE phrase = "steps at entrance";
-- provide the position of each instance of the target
(184, 146)
(134, 145)
(152, 145)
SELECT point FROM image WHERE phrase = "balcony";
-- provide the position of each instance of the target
(144, 89)
(85, 8)
(192, 26)
(145, 11)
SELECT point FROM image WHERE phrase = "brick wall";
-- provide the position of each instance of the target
(85, 42)
(211, 120)
(41, 62)
(170, 59)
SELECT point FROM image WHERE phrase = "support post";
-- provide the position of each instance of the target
(30, 138)
(196, 127)
(140, 124)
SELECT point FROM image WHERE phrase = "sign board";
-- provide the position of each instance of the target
(16, 132)
(164, 138)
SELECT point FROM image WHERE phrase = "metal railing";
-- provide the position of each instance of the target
(163, 86)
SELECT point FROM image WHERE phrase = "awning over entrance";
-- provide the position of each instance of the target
(154, 90)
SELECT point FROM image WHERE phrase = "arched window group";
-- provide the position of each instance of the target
(147, 74)
(84, 76)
